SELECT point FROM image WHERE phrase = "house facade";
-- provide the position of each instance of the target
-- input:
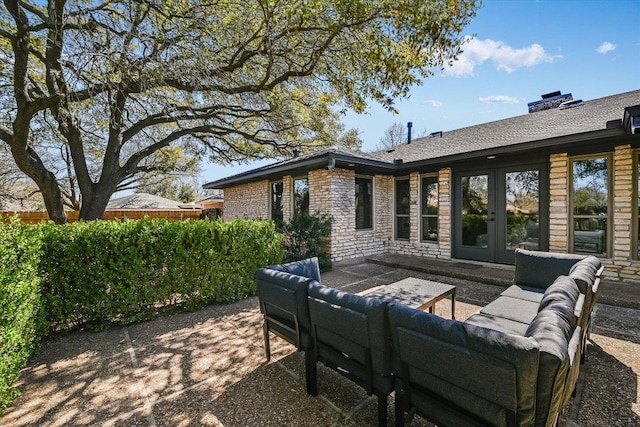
(563, 178)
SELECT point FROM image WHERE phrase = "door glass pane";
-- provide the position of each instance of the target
(475, 201)
(590, 205)
(522, 209)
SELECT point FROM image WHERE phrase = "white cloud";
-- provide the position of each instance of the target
(499, 99)
(606, 47)
(433, 103)
(504, 57)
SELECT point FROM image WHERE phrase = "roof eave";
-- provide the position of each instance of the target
(550, 143)
(323, 160)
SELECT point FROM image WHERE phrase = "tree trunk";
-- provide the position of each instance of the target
(95, 203)
(29, 163)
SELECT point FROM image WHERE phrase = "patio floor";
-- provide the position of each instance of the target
(209, 368)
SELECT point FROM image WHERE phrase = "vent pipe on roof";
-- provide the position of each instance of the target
(296, 153)
(409, 126)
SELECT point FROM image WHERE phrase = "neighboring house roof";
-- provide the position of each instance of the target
(143, 201)
(590, 120)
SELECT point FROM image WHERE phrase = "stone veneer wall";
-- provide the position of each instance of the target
(333, 192)
(559, 203)
(440, 249)
(248, 201)
(622, 264)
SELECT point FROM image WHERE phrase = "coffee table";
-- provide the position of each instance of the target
(416, 293)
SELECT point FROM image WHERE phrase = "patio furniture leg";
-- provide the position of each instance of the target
(382, 410)
(267, 346)
(311, 368)
(399, 411)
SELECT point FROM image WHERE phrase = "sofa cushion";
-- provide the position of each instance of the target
(552, 331)
(522, 292)
(360, 319)
(539, 269)
(515, 309)
(306, 268)
(564, 295)
(584, 273)
(496, 323)
(268, 278)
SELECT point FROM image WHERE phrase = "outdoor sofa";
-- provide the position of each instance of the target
(513, 363)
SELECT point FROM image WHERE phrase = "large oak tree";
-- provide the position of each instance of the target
(121, 81)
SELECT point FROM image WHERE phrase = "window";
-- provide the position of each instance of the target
(429, 208)
(403, 201)
(300, 196)
(637, 193)
(364, 203)
(590, 204)
(276, 201)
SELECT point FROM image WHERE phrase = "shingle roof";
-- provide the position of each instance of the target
(588, 117)
(142, 201)
(521, 132)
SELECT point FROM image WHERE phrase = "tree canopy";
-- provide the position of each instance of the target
(120, 82)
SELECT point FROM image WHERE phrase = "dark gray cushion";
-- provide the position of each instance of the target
(273, 286)
(525, 293)
(516, 309)
(584, 273)
(564, 289)
(350, 319)
(539, 269)
(307, 268)
(498, 324)
(551, 330)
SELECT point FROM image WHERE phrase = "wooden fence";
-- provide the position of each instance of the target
(34, 217)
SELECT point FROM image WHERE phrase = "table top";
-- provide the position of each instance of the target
(412, 292)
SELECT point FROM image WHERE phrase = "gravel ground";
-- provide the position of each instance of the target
(208, 368)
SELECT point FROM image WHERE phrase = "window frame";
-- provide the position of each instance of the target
(371, 203)
(426, 215)
(395, 209)
(271, 199)
(610, 208)
(635, 200)
(293, 193)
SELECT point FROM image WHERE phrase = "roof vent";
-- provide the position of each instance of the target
(437, 134)
(570, 104)
(409, 126)
(296, 153)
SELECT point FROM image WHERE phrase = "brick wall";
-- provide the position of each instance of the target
(249, 201)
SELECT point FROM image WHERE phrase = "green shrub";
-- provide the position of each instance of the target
(104, 271)
(305, 236)
(20, 303)
(55, 277)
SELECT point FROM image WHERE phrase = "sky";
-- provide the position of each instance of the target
(516, 51)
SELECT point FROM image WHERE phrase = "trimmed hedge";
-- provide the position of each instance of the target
(20, 303)
(101, 272)
(57, 277)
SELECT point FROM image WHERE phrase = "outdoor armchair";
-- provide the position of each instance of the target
(350, 336)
